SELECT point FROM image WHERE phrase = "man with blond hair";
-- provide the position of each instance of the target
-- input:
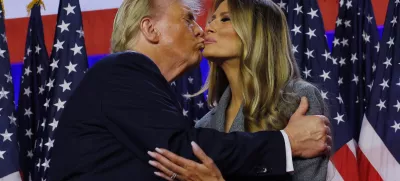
(124, 107)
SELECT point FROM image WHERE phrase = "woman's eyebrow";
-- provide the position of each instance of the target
(220, 14)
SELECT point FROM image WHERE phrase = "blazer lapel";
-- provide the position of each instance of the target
(218, 119)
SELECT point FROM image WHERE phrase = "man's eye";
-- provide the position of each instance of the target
(188, 20)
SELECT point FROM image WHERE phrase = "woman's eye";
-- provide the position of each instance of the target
(225, 19)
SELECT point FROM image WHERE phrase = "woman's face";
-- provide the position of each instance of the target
(221, 40)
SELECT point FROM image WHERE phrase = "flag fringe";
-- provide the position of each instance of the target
(2, 7)
(33, 3)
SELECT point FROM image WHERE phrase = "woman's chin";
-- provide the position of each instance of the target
(209, 52)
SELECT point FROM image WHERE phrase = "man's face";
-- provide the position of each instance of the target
(180, 36)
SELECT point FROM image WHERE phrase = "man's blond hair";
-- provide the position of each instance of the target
(127, 24)
(127, 21)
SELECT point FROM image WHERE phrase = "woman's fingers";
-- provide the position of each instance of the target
(167, 172)
(207, 161)
(178, 160)
(165, 165)
(162, 175)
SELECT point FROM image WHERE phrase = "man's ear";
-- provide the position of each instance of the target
(149, 30)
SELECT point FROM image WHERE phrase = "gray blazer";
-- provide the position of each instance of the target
(304, 169)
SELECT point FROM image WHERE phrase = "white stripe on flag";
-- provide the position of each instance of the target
(377, 153)
(352, 144)
(12, 177)
(333, 174)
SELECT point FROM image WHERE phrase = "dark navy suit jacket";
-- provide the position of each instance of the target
(123, 108)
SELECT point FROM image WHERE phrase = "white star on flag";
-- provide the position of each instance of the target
(70, 9)
(59, 45)
(349, 5)
(29, 133)
(46, 164)
(50, 144)
(339, 118)
(339, 22)
(80, 32)
(282, 5)
(388, 62)
(324, 94)
(77, 49)
(381, 105)
(37, 49)
(185, 113)
(27, 71)
(370, 19)
(384, 84)
(340, 99)
(6, 136)
(394, 21)
(28, 112)
(39, 69)
(2, 53)
(200, 104)
(390, 42)
(9, 77)
(296, 29)
(54, 64)
(66, 85)
(309, 53)
(313, 13)
(71, 67)
(60, 104)
(307, 72)
(325, 75)
(54, 124)
(27, 91)
(396, 126)
(298, 9)
(64, 26)
(311, 33)
(3, 93)
(397, 106)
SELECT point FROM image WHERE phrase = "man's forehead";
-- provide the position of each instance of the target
(190, 6)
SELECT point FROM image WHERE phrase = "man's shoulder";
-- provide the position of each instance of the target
(128, 58)
(128, 64)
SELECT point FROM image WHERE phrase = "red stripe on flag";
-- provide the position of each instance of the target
(346, 164)
(367, 171)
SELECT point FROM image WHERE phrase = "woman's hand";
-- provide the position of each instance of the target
(174, 167)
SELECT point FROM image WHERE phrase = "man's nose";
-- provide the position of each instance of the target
(198, 31)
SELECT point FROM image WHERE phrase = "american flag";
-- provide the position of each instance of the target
(193, 108)
(317, 66)
(355, 49)
(380, 132)
(32, 93)
(67, 68)
(9, 166)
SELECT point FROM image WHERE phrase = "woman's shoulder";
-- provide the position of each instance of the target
(313, 94)
(302, 87)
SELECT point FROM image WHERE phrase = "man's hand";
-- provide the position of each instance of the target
(309, 136)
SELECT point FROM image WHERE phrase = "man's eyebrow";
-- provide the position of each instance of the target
(191, 15)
